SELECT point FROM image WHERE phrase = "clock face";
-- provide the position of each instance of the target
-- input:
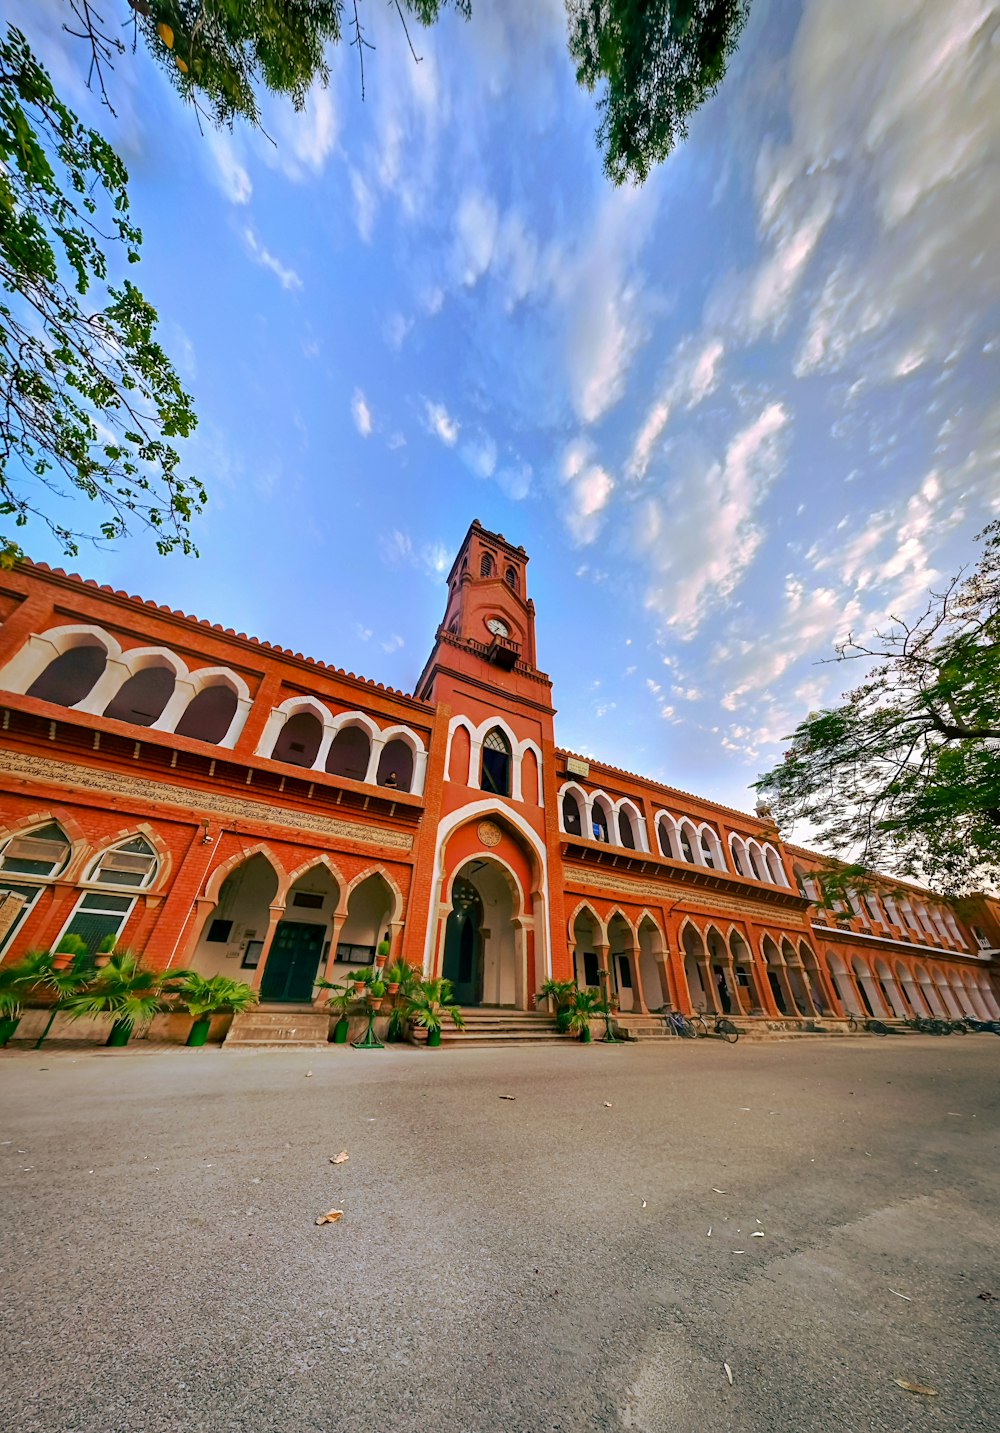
(498, 628)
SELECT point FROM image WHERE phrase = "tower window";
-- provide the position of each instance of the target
(486, 565)
(495, 775)
(510, 577)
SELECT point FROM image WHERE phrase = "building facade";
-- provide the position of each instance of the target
(211, 801)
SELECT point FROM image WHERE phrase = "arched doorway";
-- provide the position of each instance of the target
(301, 938)
(695, 963)
(482, 946)
(233, 935)
(587, 938)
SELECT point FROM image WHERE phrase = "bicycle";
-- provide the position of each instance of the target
(723, 1026)
(680, 1025)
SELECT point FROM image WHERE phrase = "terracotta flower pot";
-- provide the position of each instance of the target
(392, 987)
(359, 985)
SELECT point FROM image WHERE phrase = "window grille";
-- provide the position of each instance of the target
(133, 863)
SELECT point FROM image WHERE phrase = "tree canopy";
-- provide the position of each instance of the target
(904, 775)
(89, 401)
(654, 61)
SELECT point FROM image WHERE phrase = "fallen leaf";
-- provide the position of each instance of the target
(644, 1205)
(331, 1216)
(508, 1097)
(729, 1372)
(340, 1158)
(901, 1296)
(309, 1074)
(916, 1387)
(607, 1104)
(719, 1191)
(987, 1297)
(757, 1234)
(709, 1234)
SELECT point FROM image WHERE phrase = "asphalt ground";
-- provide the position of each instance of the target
(542, 1262)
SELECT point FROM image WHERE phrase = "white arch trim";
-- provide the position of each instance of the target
(461, 817)
(518, 746)
(42, 648)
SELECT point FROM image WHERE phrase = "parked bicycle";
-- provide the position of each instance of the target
(982, 1027)
(680, 1025)
(722, 1025)
(873, 1026)
(925, 1025)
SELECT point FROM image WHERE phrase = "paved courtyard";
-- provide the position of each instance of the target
(542, 1262)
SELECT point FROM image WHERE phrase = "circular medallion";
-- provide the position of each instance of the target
(489, 833)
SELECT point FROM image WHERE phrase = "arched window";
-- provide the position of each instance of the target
(349, 753)
(395, 765)
(510, 577)
(209, 714)
(70, 677)
(495, 774)
(572, 821)
(706, 849)
(298, 740)
(599, 823)
(625, 831)
(133, 863)
(142, 698)
(486, 565)
(27, 863)
(686, 847)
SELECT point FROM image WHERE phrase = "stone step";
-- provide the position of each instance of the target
(300, 1026)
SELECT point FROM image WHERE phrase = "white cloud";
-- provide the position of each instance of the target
(587, 489)
(361, 413)
(480, 456)
(397, 328)
(440, 422)
(698, 536)
(693, 375)
(476, 225)
(232, 177)
(304, 139)
(515, 480)
(365, 204)
(287, 278)
(393, 643)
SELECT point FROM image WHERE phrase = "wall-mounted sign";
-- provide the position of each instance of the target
(576, 767)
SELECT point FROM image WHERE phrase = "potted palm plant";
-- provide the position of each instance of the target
(400, 975)
(341, 998)
(16, 978)
(381, 954)
(428, 1004)
(123, 993)
(204, 997)
(62, 973)
(376, 993)
(360, 979)
(559, 994)
(585, 1005)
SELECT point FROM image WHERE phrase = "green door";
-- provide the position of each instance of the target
(290, 972)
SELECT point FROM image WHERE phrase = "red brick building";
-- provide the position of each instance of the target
(212, 801)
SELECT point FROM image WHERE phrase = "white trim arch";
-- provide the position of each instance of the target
(742, 864)
(775, 866)
(572, 788)
(707, 835)
(128, 664)
(478, 809)
(518, 746)
(637, 822)
(191, 685)
(756, 860)
(673, 853)
(283, 713)
(602, 801)
(410, 739)
(41, 649)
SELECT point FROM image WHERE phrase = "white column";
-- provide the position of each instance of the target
(107, 687)
(183, 695)
(374, 757)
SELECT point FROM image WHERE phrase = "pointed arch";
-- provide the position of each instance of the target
(214, 881)
(309, 864)
(573, 809)
(42, 650)
(390, 881)
(667, 836)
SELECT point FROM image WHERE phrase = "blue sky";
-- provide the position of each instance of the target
(729, 415)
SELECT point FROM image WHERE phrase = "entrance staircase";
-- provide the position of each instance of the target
(486, 1025)
(297, 1027)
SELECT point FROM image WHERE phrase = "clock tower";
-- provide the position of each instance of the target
(487, 634)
